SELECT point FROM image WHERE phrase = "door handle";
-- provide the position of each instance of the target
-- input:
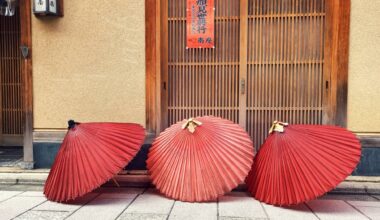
(242, 86)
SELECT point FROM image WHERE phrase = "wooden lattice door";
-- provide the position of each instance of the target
(285, 64)
(203, 81)
(268, 64)
(11, 105)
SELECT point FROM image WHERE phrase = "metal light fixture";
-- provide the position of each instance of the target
(8, 7)
(46, 7)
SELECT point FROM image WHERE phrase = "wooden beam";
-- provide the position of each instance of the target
(157, 30)
(26, 39)
(243, 63)
(336, 62)
(342, 63)
(151, 67)
(329, 55)
(163, 62)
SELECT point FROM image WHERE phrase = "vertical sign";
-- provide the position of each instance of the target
(200, 24)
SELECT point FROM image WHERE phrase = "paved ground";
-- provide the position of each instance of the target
(28, 202)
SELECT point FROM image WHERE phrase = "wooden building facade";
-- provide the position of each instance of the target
(285, 60)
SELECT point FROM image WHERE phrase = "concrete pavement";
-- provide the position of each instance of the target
(28, 202)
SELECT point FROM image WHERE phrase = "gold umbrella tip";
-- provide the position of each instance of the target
(191, 124)
(278, 126)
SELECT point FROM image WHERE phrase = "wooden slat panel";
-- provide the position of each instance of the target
(285, 63)
(11, 79)
(204, 81)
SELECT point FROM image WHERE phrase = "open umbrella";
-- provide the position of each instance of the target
(90, 155)
(199, 159)
(298, 163)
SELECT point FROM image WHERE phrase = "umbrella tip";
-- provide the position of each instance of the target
(191, 124)
(71, 123)
(278, 126)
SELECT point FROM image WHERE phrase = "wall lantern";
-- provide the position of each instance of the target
(8, 7)
(48, 7)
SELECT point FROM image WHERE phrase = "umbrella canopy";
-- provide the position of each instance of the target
(298, 163)
(91, 154)
(199, 159)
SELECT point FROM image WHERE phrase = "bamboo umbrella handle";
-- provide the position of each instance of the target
(114, 181)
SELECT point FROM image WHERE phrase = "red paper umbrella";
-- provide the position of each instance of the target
(90, 155)
(298, 163)
(199, 159)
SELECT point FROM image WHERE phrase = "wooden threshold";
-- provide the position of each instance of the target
(11, 140)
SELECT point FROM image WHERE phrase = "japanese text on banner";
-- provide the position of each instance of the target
(200, 24)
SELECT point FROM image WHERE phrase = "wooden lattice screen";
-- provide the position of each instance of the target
(204, 81)
(10, 77)
(283, 56)
(285, 63)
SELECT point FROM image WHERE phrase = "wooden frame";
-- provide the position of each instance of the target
(243, 62)
(336, 63)
(151, 67)
(154, 35)
(162, 12)
(26, 39)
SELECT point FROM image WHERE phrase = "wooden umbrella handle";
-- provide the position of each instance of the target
(114, 181)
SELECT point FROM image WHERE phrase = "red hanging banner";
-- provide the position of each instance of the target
(200, 24)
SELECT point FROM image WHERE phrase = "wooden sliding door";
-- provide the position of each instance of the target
(11, 104)
(285, 78)
(203, 81)
(273, 60)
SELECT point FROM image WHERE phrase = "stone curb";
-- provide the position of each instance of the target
(353, 184)
(23, 178)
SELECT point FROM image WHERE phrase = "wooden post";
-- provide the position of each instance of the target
(336, 62)
(26, 40)
(243, 63)
(342, 63)
(151, 66)
(163, 60)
